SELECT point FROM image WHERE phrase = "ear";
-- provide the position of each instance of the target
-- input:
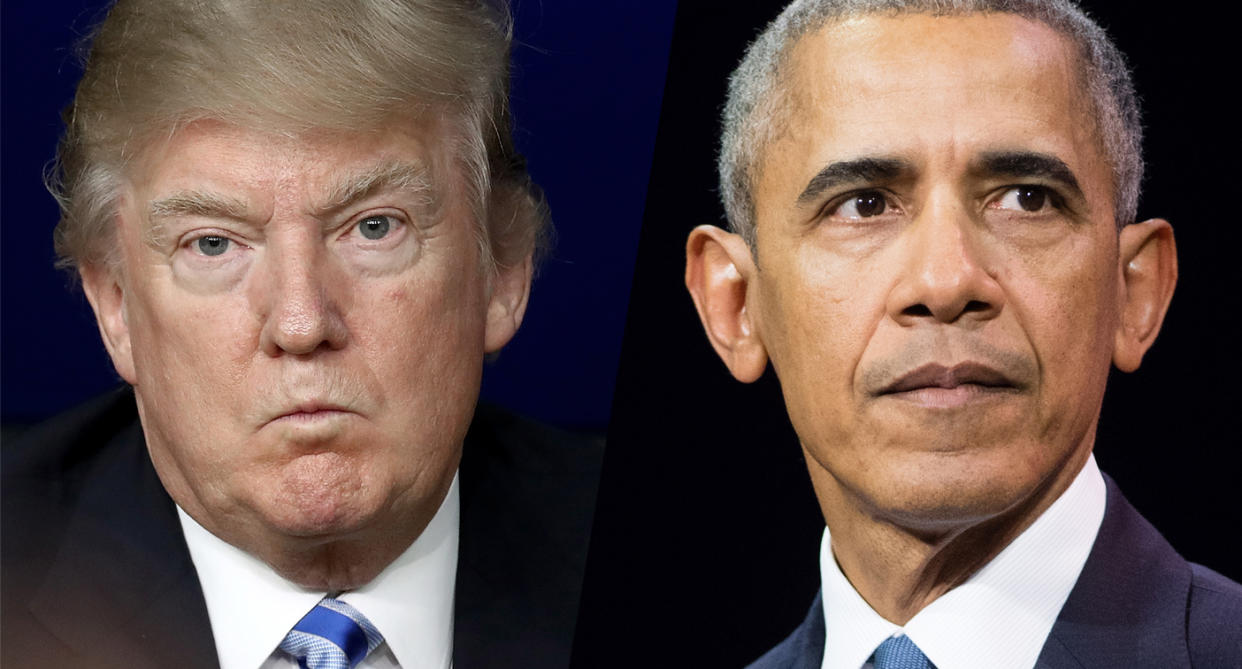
(107, 297)
(1148, 267)
(507, 303)
(719, 272)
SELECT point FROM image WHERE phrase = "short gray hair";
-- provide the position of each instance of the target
(754, 90)
(291, 66)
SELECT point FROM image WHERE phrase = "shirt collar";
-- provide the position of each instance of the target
(410, 602)
(1001, 616)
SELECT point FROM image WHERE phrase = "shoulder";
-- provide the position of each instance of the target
(803, 649)
(527, 503)
(46, 468)
(69, 442)
(541, 472)
(1214, 619)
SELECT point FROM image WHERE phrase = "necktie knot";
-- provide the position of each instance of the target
(899, 652)
(333, 635)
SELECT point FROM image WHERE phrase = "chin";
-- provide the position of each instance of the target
(323, 496)
(942, 492)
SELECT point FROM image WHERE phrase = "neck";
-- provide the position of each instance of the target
(899, 565)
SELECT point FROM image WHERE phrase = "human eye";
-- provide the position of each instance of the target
(211, 246)
(860, 205)
(376, 227)
(378, 242)
(1027, 198)
(378, 230)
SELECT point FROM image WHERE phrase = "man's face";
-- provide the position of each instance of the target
(937, 276)
(304, 322)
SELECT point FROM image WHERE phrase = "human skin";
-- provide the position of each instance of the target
(942, 327)
(304, 387)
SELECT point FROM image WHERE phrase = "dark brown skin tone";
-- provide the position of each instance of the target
(940, 286)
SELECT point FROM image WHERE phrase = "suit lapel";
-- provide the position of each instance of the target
(122, 590)
(1129, 605)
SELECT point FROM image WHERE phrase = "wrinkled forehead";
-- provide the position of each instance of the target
(323, 162)
(915, 84)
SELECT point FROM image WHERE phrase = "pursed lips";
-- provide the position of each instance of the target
(309, 411)
(938, 385)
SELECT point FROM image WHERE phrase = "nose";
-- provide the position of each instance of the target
(944, 277)
(296, 302)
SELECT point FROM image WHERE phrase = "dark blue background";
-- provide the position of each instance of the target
(587, 82)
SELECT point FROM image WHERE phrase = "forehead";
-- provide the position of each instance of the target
(925, 87)
(217, 156)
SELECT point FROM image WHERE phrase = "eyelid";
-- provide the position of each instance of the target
(1056, 199)
(398, 218)
(188, 239)
(836, 201)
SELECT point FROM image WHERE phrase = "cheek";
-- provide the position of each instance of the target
(1067, 307)
(819, 314)
(207, 341)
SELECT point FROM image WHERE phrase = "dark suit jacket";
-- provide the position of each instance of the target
(96, 572)
(1137, 603)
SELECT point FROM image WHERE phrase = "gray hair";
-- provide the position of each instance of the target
(755, 90)
(289, 67)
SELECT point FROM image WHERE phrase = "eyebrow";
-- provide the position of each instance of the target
(197, 203)
(386, 176)
(190, 203)
(856, 171)
(1027, 164)
(395, 175)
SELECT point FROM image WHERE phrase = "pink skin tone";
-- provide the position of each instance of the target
(304, 319)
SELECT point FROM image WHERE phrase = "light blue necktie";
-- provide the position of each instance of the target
(334, 635)
(899, 652)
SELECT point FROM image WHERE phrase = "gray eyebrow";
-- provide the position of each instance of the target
(1025, 165)
(387, 176)
(190, 203)
(197, 203)
(865, 170)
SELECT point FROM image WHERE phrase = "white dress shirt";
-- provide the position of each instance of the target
(251, 607)
(1000, 617)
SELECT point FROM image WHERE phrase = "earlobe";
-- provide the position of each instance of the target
(1148, 268)
(107, 298)
(719, 272)
(507, 303)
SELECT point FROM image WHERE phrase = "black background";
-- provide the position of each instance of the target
(706, 539)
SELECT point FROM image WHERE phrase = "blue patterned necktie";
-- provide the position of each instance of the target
(334, 635)
(899, 652)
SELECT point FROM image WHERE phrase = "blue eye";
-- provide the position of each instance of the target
(213, 245)
(374, 227)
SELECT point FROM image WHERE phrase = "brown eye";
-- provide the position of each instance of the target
(1031, 198)
(1026, 198)
(871, 204)
(862, 205)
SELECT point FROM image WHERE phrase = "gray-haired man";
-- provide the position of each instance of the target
(301, 227)
(933, 242)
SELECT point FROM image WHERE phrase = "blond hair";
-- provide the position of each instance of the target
(291, 66)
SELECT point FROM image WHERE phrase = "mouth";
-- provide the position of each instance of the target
(937, 385)
(310, 412)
